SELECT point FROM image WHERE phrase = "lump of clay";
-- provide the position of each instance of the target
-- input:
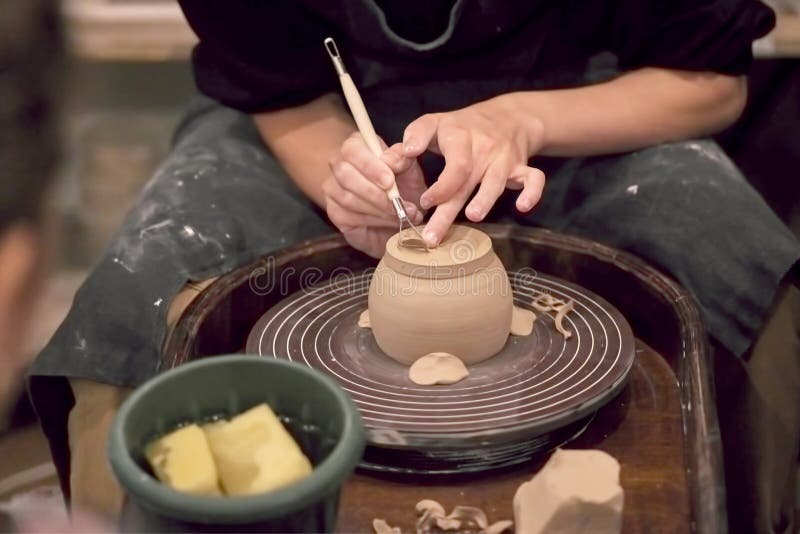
(455, 298)
(437, 368)
(522, 322)
(432, 518)
(576, 491)
(382, 527)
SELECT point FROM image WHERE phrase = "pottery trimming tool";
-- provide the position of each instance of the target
(359, 112)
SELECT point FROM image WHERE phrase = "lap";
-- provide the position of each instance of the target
(218, 201)
(685, 208)
(219, 196)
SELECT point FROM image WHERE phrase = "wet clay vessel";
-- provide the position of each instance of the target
(455, 298)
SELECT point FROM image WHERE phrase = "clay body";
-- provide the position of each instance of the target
(455, 298)
(437, 368)
(522, 322)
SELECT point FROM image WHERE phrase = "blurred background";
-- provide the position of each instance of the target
(130, 77)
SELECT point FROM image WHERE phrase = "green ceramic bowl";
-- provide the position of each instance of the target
(317, 412)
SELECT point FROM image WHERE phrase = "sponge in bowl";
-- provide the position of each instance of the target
(254, 453)
(182, 460)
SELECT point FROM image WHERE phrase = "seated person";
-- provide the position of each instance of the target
(587, 111)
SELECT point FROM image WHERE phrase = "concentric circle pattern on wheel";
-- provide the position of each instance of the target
(534, 385)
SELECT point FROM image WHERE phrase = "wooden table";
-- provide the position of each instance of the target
(641, 428)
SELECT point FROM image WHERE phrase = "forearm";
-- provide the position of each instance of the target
(639, 109)
(304, 139)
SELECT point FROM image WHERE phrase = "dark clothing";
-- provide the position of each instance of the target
(417, 25)
(764, 142)
(673, 205)
(258, 56)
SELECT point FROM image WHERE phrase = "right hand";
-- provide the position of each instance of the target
(355, 193)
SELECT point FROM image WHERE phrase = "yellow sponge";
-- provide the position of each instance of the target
(183, 461)
(254, 453)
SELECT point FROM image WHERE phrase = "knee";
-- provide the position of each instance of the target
(206, 121)
(697, 163)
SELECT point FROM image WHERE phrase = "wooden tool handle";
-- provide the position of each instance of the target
(357, 109)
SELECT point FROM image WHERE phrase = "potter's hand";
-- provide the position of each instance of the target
(355, 193)
(485, 144)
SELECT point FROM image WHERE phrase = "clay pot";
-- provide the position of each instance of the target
(455, 298)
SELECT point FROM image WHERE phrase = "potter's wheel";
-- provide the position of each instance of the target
(538, 392)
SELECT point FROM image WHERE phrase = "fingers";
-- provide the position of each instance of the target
(492, 186)
(355, 201)
(477, 149)
(493, 183)
(344, 217)
(419, 135)
(347, 199)
(411, 184)
(455, 145)
(352, 183)
(396, 159)
(356, 152)
(357, 205)
(409, 177)
(533, 181)
(443, 218)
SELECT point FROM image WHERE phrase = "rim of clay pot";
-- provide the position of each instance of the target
(463, 251)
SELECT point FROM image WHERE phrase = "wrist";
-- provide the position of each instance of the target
(521, 109)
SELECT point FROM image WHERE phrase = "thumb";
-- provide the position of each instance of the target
(411, 183)
(408, 174)
(394, 157)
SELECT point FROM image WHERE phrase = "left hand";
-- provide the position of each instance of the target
(486, 143)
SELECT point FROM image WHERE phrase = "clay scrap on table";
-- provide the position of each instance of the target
(433, 518)
(575, 491)
(437, 368)
(522, 321)
(547, 303)
(382, 527)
